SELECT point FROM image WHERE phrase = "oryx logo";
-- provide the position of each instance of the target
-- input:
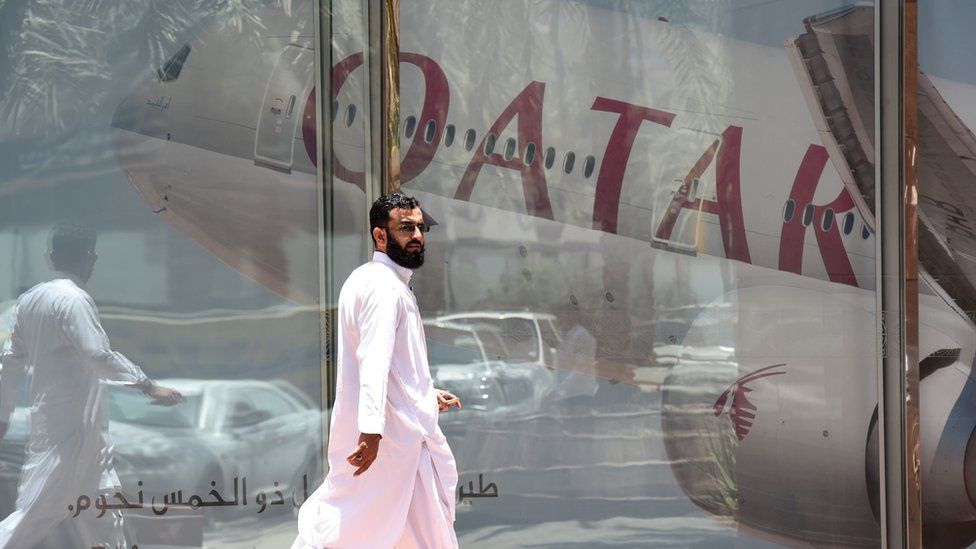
(741, 410)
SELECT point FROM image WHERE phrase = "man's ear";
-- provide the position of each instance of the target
(379, 236)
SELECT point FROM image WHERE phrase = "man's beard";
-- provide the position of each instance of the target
(404, 258)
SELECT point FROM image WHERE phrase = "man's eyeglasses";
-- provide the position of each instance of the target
(409, 228)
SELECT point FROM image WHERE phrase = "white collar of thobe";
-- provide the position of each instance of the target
(72, 277)
(401, 271)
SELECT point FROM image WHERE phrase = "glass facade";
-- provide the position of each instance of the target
(652, 278)
(181, 133)
(673, 335)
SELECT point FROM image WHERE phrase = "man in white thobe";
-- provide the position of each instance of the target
(392, 476)
(57, 332)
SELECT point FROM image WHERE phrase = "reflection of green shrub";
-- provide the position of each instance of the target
(719, 467)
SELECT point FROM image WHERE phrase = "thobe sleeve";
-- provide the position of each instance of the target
(14, 361)
(82, 327)
(378, 318)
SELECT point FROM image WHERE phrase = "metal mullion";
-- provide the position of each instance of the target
(373, 89)
(324, 186)
(897, 271)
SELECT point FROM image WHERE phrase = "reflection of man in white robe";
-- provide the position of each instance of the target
(57, 332)
(396, 487)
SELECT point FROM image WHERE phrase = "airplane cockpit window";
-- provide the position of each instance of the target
(409, 126)
(529, 153)
(788, 210)
(865, 232)
(510, 148)
(550, 157)
(490, 144)
(449, 135)
(430, 130)
(350, 115)
(808, 215)
(828, 220)
(848, 223)
(171, 68)
(588, 166)
(469, 138)
(569, 162)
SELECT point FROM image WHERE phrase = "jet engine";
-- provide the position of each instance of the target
(770, 419)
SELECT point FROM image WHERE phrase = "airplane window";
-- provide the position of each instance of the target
(509, 148)
(569, 162)
(865, 232)
(350, 115)
(848, 223)
(430, 131)
(469, 138)
(449, 135)
(788, 210)
(588, 165)
(171, 69)
(529, 154)
(550, 157)
(410, 126)
(490, 144)
(828, 219)
(808, 215)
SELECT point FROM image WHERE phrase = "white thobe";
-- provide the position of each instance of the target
(574, 362)
(58, 333)
(406, 498)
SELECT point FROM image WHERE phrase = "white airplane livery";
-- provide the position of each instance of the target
(629, 154)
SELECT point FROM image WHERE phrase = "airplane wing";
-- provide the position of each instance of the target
(834, 63)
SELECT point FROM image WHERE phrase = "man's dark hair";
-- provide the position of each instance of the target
(71, 243)
(379, 213)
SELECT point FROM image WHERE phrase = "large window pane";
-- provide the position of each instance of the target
(649, 296)
(184, 134)
(947, 202)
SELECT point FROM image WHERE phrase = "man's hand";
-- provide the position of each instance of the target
(3, 429)
(365, 453)
(445, 400)
(164, 396)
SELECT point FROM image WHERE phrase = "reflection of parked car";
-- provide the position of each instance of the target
(460, 363)
(265, 431)
(12, 446)
(12, 456)
(516, 336)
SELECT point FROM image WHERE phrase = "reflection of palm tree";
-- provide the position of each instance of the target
(63, 56)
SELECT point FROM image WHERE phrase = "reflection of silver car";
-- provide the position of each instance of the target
(460, 363)
(268, 432)
(12, 458)
(513, 336)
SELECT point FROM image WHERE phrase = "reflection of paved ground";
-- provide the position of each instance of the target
(584, 473)
(589, 472)
(615, 532)
(245, 533)
(252, 533)
(692, 531)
